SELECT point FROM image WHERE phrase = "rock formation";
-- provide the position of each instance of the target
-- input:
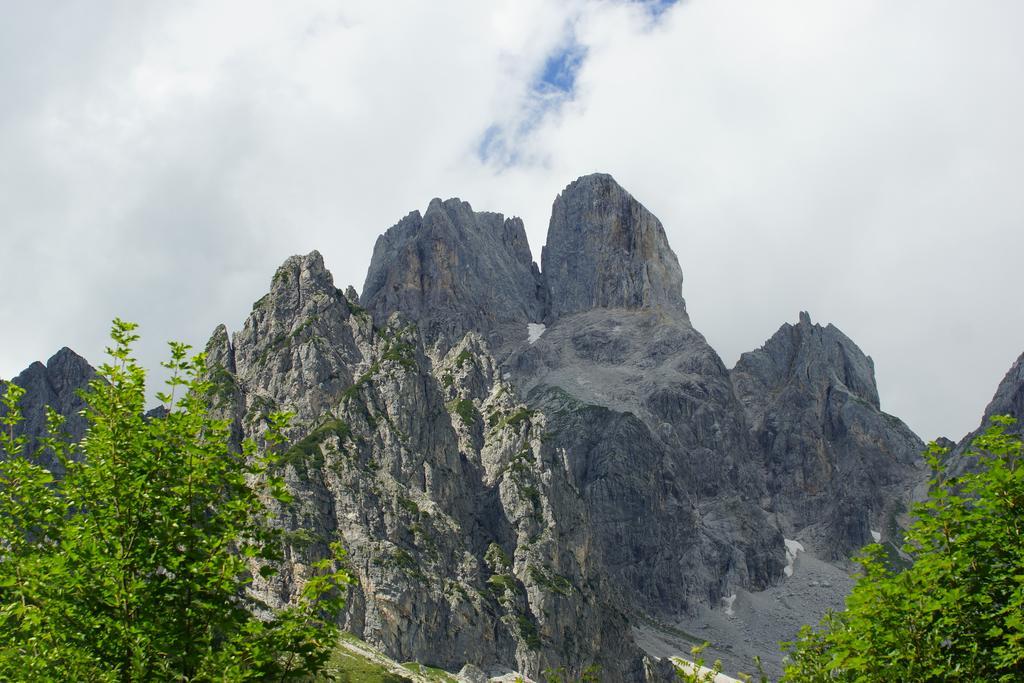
(605, 250)
(453, 271)
(1008, 400)
(837, 467)
(464, 532)
(525, 465)
(1009, 396)
(55, 384)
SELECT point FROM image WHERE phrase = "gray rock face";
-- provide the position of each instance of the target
(297, 344)
(837, 466)
(452, 271)
(55, 384)
(537, 496)
(1008, 400)
(605, 250)
(469, 542)
(644, 414)
(1009, 396)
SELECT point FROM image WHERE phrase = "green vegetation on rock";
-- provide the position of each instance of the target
(465, 409)
(308, 452)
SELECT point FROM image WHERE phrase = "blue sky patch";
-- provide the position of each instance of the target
(553, 85)
(561, 67)
(657, 7)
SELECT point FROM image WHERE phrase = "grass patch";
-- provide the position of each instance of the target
(465, 409)
(518, 417)
(300, 538)
(346, 666)
(550, 581)
(498, 420)
(304, 325)
(497, 559)
(353, 391)
(279, 342)
(400, 559)
(528, 632)
(408, 505)
(308, 450)
(400, 352)
(353, 307)
(430, 673)
(531, 494)
(503, 583)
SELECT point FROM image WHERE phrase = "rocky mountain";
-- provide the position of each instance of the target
(465, 534)
(453, 271)
(1009, 396)
(55, 384)
(840, 471)
(605, 250)
(541, 468)
(1008, 400)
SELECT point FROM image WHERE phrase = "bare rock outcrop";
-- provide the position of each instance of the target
(469, 541)
(838, 468)
(1008, 400)
(453, 270)
(605, 250)
(55, 384)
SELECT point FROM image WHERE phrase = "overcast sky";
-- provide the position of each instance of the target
(859, 159)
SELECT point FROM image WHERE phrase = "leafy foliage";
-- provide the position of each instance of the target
(957, 614)
(135, 565)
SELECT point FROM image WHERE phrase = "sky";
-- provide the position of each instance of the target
(858, 159)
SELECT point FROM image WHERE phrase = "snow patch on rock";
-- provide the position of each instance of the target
(792, 548)
(534, 331)
(728, 604)
(877, 535)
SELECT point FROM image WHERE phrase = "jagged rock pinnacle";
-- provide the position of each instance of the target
(454, 270)
(605, 250)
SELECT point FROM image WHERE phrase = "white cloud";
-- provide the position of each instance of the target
(855, 159)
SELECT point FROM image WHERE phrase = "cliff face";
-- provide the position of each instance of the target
(686, 476)
(1009, 396)
(524, 466)
(605, 250)
(641, 409)
(1008, 400)
(837, 467)
(467, 537)
(55, 384)
(454, 270)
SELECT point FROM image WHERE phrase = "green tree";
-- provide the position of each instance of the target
(135, 565)
(957, 614)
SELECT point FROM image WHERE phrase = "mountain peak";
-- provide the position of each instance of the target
(454, 270)
(606, 250)
(1009, 396)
